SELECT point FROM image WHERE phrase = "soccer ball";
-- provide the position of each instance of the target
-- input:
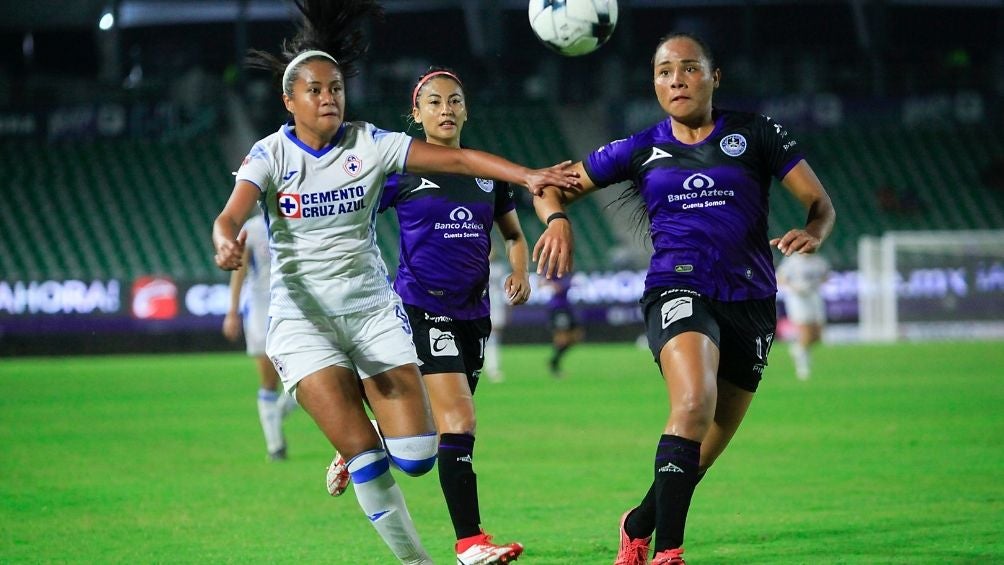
(573, 27)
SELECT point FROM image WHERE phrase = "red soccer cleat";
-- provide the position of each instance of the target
(479, 550)
(669, 557)
(632, 551)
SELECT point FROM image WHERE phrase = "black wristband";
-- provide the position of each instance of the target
(556, 216)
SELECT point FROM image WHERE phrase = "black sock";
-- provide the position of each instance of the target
(559, 352)
(640, 522)
(677, 462)
(459, 483)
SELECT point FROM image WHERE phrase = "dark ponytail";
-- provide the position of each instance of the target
(332, 26)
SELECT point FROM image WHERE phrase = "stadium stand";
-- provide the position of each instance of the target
(932, 174)
(126, 208)
(112, 208)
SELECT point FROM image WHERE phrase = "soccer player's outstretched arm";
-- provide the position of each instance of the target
(428, 158)
(553, 250)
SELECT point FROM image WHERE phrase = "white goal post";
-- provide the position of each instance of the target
(931, 285)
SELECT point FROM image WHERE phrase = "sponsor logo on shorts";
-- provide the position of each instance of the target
(279, 366)
(442, 344)
(677, 309)
(437, 319)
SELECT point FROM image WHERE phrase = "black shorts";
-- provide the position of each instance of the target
(446, 345)
(563, 319)
(743, 330)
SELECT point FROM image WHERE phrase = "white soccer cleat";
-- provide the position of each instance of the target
(479, 550)
(338, 475)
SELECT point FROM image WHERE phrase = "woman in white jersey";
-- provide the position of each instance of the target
(249, 303)
(802, 277)
(333, 312)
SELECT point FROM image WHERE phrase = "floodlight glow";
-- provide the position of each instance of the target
(106, 22)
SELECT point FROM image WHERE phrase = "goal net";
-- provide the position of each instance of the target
(931, 285)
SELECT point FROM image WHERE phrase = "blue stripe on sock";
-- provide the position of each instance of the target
(415, 467)
(267, 395)
(371, 471)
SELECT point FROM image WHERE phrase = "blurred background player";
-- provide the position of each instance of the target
(498, 273)
(249, 301)
(443, 278)
(565, 329)
(802, 277)
(703, 176)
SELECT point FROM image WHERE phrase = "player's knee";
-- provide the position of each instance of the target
(694, 409)
(459, 421)
(415, 455)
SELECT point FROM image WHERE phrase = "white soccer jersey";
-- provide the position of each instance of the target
(320, 207)
(803, 274)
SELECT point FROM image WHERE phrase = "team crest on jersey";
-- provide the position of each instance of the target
(733, 145)
(288, 205)
(487, 185)
(353, 165)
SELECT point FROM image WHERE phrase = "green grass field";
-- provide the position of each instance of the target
(890, 454)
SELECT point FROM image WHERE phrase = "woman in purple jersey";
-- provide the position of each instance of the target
(443, 279)
(327, 358)
(703, 176)
(565, 328)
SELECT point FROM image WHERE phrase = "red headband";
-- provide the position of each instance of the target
(425, 79)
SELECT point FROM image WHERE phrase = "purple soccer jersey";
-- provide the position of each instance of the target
(560, 299)
(446, 223)
(707, 203)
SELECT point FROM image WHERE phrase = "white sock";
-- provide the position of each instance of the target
(271, 419)
(801, 356)
(286, 404)
(382, 502)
